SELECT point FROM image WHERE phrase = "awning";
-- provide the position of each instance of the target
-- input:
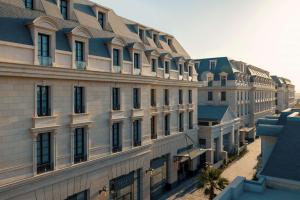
(157, 162)
(190, 154)
(246, 129)
(122, 181)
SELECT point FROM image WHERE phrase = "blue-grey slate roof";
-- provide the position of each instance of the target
(211, 113)
(268, 130)
(84, 8)
(284, 161)
(223, 65)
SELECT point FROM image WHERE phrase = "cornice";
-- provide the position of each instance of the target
(30, 71)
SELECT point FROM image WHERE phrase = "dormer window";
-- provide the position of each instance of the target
(137, 61)
(155, 39)
(169, 42)
(28, 4)
(209, 81)
(101, 19)
(190, 71)
(167, 67)
(223, 80)
(153, 64)
(64, 8)
(212, 65)
(116, 57)
(141, 34)
(180, 69)
(44, 50)
(79, 55)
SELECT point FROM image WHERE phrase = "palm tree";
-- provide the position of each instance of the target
(212, 180)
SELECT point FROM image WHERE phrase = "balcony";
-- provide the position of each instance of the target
(137, 143)
(153, 136)
(166, 108)
(81, 65)
(46, 167)
(137, 113)
(167, 132)
(116, 149)
(180, 107)
(45, 60)
(117, 115)
(80, 158)
(44, 121)
(190, 106)
(116, 69)
(80, 118)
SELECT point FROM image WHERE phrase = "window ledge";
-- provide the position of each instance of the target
(44, 121)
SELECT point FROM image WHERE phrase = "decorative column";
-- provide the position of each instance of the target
(72, 146)
(54, 149)
(34, 161)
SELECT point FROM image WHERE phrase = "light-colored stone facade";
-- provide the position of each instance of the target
(285, 94)
(247, 90)
(21, 72)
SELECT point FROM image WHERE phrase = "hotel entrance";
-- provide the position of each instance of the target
(158, 178)
(126, 187)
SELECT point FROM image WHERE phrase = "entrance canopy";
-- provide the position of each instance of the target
(246, 129)
(190, 154)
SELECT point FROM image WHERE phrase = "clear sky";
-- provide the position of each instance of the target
(264, 33)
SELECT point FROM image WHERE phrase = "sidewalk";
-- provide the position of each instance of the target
(245, 166)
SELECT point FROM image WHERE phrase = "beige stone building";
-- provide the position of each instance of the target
(92, 106)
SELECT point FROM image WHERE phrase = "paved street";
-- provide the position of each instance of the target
(243, 167)
(246, 165)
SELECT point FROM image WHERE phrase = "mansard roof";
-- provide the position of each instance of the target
(14, 17)
(282, 163)
(231, 67)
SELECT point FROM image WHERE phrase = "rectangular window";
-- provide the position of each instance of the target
(137, 133)
(44, 49)
(223, 96)
(166, 95)
(181, 129)
(116, 99)
(141, 34)
(167, 124)
(79, 196)
(43, 152)
(137, 61)
(190, 71)
(180, 97)
(210, 96)
(212, 64)
(116, 57)
(79, 100)
(101, 19)
(238, 96)
(180, 69)
(153, 64)
(202, 143)
(79, 53)
(136, 98)
(209, 82)
(153, 127)
(155, 39)
(116, 137)
(153, 97)
(186, 69)
(43, 101)
(223, 80)
(79, 145)
(29, 4)
(167, 67)
(190, 96)
(191, 120)
(64, 8)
